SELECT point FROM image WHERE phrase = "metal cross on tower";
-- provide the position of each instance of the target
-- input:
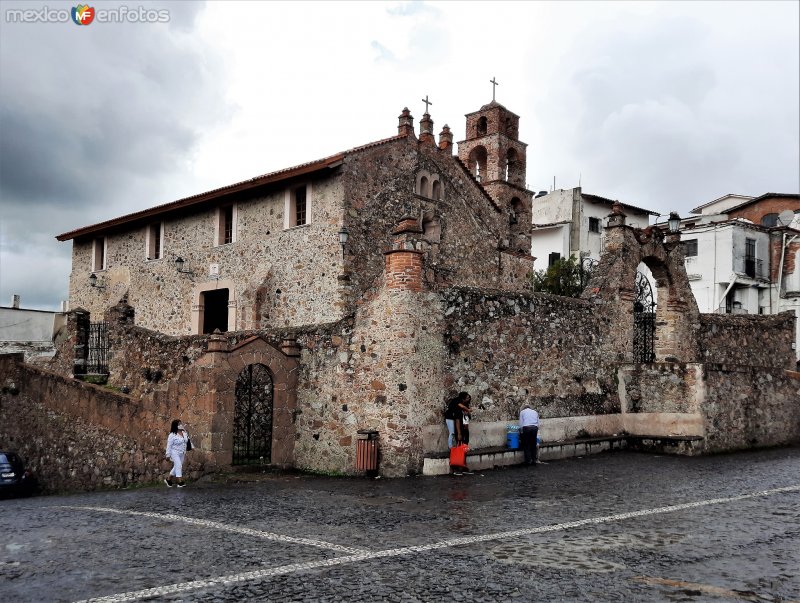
(427, 102)
(494, 85)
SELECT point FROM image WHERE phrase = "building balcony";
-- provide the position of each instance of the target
(751, 267)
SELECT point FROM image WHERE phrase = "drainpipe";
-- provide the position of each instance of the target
(784, 245)
(734, 276)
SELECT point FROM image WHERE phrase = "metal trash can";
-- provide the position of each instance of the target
(367, 452)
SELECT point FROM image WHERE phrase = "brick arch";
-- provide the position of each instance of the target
(284, 370)
(613, 284)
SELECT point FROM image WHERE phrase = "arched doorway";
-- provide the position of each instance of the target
(253, 413)
(644, 320)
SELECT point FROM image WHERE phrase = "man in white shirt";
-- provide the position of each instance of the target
(529, 429)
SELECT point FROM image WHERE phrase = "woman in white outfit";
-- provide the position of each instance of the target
(176, 450)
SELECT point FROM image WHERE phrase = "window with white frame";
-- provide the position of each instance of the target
(155, 241)
(226, 224)
(298, 206)
(99, 254)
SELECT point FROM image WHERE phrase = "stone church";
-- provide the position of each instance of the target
(280, 316)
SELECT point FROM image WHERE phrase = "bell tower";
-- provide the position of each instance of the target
(494, 154)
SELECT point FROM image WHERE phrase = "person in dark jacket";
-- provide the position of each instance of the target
(454, 417)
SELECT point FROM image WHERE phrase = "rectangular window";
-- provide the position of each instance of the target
(690, 248)
(226, 224)
(298, 206)
(553, 258)
(750, 249)
(750, 263)
(99, 254)
(594, 224)
(155, 233)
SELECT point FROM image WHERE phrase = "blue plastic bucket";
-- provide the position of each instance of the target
(512, 440)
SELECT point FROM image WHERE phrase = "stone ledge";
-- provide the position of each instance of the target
(481, 459)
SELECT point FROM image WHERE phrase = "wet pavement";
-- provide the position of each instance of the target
(612, 527)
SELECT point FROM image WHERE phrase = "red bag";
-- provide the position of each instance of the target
(458, 455)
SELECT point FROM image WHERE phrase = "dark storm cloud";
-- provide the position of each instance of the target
(95, 121)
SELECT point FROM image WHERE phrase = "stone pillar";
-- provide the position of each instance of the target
(426, 130)
(404, 263)
(290, 347)
(446, 139)
(78, 322)
(405, 126)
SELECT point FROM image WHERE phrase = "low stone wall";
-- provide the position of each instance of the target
(79, 436)
(736, 339)
(750, 407)
(509, 349)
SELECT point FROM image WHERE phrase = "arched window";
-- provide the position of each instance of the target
(511, 164)
(482, 126)
(477, 162)
(436, 190)
(769, 220)
(517, 209)
(423, 187)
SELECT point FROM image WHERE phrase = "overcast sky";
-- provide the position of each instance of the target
(660, 105)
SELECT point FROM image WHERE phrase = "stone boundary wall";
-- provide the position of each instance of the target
(141, 359)
(508, 349)
(79, 436)
(660, 387)
(736, 339)
(750, 407)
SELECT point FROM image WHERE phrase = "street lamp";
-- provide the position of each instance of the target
(93, 281)
(674, 221)
(179, 263)
(343, 236)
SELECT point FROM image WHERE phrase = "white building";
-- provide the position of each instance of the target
(743, 254)
(570, 222)
(30, 331)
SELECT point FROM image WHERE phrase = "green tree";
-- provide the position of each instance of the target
(565, 277)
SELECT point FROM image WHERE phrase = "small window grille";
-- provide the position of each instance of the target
(594, 225)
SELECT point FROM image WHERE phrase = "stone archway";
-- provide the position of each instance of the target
(214, 378)
(613, 285)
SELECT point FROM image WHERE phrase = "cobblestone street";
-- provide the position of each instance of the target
(614, 527)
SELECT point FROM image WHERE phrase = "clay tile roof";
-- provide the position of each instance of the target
(761, 198)
(270, 178)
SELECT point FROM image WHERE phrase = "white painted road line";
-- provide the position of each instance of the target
(225, 527)
(172, 589)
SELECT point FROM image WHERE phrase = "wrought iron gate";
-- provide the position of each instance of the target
(97, 360)
(644, 321)
(252, 421)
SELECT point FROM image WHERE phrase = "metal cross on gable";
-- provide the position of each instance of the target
(495, 84)
(427, 102)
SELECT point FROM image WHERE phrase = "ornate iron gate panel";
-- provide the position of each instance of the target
(252, 421)
(97, 360)
(644, 321)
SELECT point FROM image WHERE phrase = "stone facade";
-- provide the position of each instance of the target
(427, 297)
(282, 275)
